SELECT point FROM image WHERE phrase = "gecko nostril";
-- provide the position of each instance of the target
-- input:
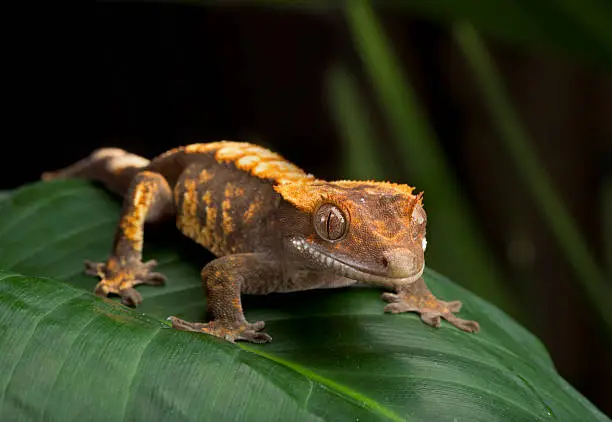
(385, 262)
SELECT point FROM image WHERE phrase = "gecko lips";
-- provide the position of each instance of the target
(397, 274)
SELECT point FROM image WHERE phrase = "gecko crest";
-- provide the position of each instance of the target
(253, 159)
(306, 196)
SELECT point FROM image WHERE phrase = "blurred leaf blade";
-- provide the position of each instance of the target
(362, 159)
(335, 353)
(535, 179)
(578, 29)
(607, 221)
(460, 244)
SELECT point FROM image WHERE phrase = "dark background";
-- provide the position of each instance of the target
(148, 77)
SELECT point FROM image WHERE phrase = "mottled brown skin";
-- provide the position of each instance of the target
(272, 227)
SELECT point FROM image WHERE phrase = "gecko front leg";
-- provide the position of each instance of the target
(149, 199)
(416, 297)
(225, 279)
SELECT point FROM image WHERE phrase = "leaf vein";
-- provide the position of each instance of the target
(32, 208)
(137, 364)
(65, 236)
(63, 364)
(38, 320)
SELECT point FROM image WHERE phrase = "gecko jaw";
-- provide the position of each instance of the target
(347, 270)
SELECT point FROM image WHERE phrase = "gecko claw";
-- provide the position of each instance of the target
(94, 268)
(230, 331)
(120, 278)
(130, 297)
(417, 298)
(154, 279)
(390, 297)
(149, 265)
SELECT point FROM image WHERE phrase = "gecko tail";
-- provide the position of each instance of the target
(113, 167)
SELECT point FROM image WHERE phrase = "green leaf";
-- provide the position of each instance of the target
(67, 354)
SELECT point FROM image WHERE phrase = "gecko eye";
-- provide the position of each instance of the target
(330, 223)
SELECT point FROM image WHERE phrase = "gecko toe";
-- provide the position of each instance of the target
(463, 324)
(119, 277)
(230, 331)
(416, 297)
(182, 325)
(102, 289)
(431, 318)
(254, 337)
(390, 297)
(149, 265)
(454, 306)
(130, 297)
(398, 308)
(94, 268)
(257, 326)
(154, 279)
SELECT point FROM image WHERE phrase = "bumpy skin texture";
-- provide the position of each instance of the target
(273, 228)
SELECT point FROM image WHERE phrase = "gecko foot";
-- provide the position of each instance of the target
(120, 278)
(230, 331)
(416, 297)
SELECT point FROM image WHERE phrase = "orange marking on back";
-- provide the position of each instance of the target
(207, 234)
(253, 159)
(253, 208)
(226, 205)
(189, 222)
(205, 176)
(247, 162)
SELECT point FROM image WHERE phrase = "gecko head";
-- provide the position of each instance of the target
(366, 231)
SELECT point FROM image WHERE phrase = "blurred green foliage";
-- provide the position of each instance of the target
(361, 157)
(581, 30)
(461, 248)
(516, 141)
(606, 213)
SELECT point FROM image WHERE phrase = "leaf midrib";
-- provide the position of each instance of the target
(332, 386)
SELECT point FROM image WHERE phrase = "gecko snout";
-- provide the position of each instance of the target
(402, 262)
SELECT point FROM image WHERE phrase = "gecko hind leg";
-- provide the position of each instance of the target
(416, 297)
(149, 199)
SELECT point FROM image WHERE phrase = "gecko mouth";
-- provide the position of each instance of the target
(347, 270)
